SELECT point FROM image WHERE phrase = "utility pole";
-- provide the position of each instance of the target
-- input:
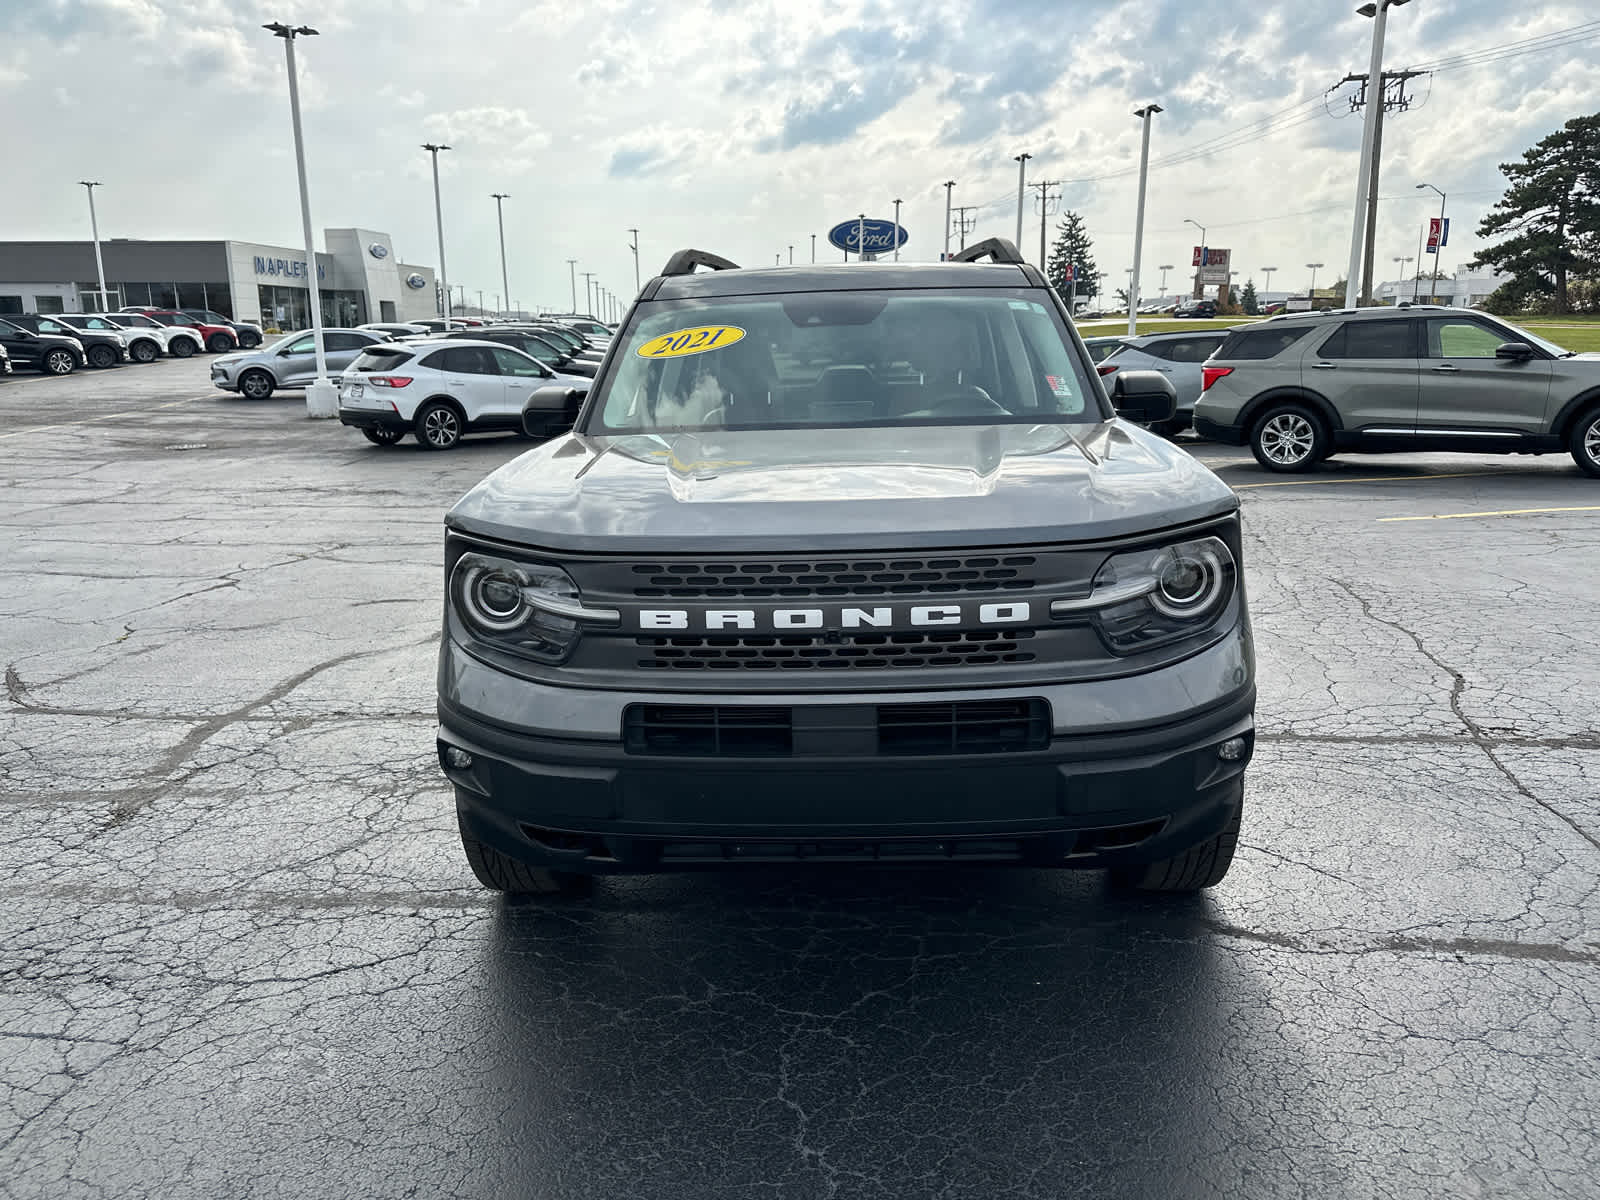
(949, 186)
(1378, 10)
(499, 215)
(1399, 101)
(572, 274)
(1045, 200)
(634, 246)
(965, 223)
(1022, 188)
(1144, 114)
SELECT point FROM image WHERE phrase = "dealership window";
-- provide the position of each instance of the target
(10, 304)
(49, 304)
(288, 308)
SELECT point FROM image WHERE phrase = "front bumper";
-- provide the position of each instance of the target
(1130, 774)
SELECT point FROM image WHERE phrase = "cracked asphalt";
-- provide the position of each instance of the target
(241, 954)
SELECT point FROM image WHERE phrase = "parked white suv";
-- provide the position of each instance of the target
(443, 388)
(180, 341)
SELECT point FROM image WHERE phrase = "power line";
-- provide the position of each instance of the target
(1485, 54)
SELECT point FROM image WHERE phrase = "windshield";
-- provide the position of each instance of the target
(914, 357)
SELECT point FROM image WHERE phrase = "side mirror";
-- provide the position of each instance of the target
(1143, 396)
(1515, 351)
(553, 406)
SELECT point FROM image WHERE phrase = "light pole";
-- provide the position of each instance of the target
(94, 229)
(1144, 114)
(1199, 288)
(572, 273)
(588, 291)
(897, 230)
(500, 217)
(1402, 259)
(634, 246)
(1267, 271)
(1437, 246)
(861, 238)
(813, 247)
(791, 254)
(480, 302)
(949, 185)
(322, 398)
(1164, 268)
(1022, 187)
(1312, 294)
(438, 220)
(1379, 12)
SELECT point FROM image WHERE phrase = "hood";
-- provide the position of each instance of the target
(844, 489)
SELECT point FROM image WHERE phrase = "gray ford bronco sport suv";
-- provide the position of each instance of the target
(849, 563)
(1299, 388)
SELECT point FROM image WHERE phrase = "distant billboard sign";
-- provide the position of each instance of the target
(1214, 270)
(879, 236)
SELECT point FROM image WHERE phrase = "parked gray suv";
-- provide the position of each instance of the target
(291, 362)
(848, 564)
(1178, 356)
(1299, 388)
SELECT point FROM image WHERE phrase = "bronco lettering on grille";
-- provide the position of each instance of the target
(877, 617)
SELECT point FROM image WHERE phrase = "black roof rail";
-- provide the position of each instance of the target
(995, 249)
(685, 261)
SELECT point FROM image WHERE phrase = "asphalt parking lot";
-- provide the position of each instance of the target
(241, 954)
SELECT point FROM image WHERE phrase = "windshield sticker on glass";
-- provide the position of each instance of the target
(681, 342)
(1059, 384)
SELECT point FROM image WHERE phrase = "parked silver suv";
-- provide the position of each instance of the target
(1299, 388)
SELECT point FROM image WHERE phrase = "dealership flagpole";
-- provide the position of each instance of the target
(322, 398)
(1144, 114)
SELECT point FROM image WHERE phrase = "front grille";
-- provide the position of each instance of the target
(838, 652)
(773, 731)
(836, 577)
(708, 730)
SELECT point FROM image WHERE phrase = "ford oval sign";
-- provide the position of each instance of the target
(414, 280)
(378, 250)
(881, 237)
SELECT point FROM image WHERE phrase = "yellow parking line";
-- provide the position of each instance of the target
(1239, 487)
(1503, 512)
(132, 412)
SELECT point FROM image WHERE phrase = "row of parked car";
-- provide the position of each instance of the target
(436, 379)
(60, 343)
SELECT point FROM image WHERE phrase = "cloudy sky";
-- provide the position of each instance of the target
(745, 126)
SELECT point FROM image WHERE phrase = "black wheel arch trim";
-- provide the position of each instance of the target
(1572, 409)
(1289, 394)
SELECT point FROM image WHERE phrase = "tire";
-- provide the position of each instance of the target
(1584, 442)
(502, 873)
(249, 342)
(1289, 438)
(439, 426)
(59, 362)
(181, 347)
(256, 385)
(144, 351)
(383, 437)
(219, 343)
(1198, 867)
(100, 357)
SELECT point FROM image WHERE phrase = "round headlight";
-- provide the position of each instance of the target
(1188, 581)
(493, 599)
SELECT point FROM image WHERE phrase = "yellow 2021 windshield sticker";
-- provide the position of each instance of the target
(690, 341)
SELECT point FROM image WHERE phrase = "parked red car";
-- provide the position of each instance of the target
(218, 338)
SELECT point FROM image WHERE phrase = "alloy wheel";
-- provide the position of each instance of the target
(59, 362)
(441, 428)
(1287, 439)
(1591, 440)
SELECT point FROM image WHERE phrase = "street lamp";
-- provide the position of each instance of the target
(1402, 259)
(94, 229)
(949, 184)
(588, 292)
(500, 217)
(1312, 294)
(438, 219)
(572, 273)
(897, 204)
(813, 247)
(1144, 114)
(1164, 268)
(1022, 186)
(1437, 246)
(1267, 271)
(634, 246)
(1199, 288)
(1379, 12)
(322, 398)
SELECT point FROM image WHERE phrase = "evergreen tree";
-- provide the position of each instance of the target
(1252, 306)
(1551, 212)
(1072, 246)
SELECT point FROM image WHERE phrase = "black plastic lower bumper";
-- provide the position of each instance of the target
(360, 418)
(1214, 431)
(1107, 800)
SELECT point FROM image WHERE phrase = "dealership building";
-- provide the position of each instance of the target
(358, 276)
